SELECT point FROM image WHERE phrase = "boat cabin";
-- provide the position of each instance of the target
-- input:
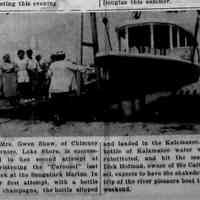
(156, 38)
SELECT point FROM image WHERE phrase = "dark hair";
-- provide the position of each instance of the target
(60, 55)
(38, 57)
(29, 51)
(6, 57)
(53, 57)
(20, 51)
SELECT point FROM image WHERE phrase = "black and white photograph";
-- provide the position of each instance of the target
(97, 74)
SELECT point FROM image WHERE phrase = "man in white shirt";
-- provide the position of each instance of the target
(63, 82)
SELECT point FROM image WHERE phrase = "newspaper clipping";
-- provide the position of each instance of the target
(99, 99)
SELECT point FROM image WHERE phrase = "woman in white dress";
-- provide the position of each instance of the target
(22, 75)
(9, 79)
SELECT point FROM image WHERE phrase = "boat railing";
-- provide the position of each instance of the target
(179, 52)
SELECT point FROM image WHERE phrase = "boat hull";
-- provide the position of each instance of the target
(139, 75)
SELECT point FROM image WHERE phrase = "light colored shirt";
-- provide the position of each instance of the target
(62, 77)
(22, 74)
(31, 64)
(7, 67)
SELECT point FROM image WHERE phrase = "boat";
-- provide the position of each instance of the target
(154, 56)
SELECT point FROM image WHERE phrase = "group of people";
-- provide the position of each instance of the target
(28, 78)
(24, 78)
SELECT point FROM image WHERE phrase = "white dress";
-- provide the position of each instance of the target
(22, 74)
